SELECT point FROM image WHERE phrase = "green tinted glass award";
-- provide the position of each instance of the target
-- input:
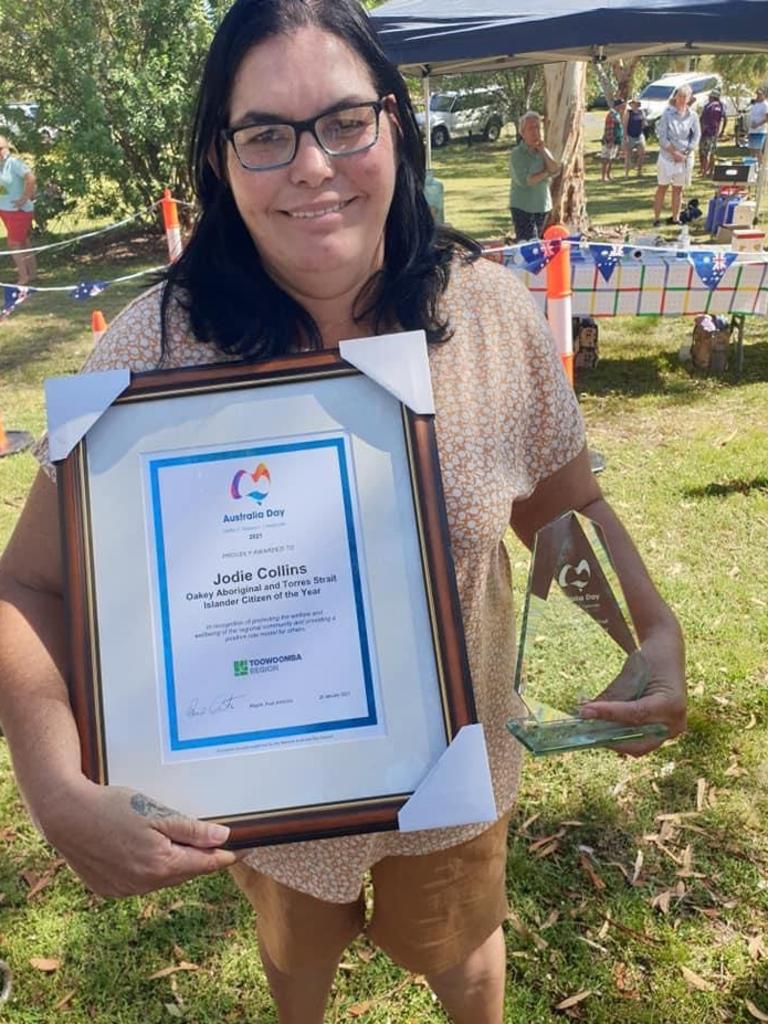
(575, 641)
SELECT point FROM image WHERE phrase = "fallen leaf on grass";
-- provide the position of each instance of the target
(757, 1014)
(573, 1000)
(545, 851)
(756, 947)
(696, 981)
(552, 917)
(593, 876)
(65, 1000)
(701, 792)
(638, 868)
(545, 840)
(358, 1009)
(45, 963)
(173, 969)
(174, 1010)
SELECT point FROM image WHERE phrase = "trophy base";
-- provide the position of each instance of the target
(556, 735)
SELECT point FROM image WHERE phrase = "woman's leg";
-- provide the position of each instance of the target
(677, 201)
(473, 991)
(301, 940)
(22, 271)
(301, 993)
(658, 202)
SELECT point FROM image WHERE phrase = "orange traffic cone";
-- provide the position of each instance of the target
(98, 324)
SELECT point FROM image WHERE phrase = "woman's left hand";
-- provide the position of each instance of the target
(663, 700)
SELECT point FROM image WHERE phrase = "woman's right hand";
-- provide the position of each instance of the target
(123, 843)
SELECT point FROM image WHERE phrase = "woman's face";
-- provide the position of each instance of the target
(319, 222)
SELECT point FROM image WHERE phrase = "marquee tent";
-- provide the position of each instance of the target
(447, 36)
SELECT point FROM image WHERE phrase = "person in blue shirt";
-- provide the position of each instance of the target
(679, 133)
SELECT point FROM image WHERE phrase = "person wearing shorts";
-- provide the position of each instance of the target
(757, 125)
(613, 137)
(17, 190)
(634, 122)
(679, 133)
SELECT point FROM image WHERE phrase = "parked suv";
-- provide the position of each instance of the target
(655, 97)
(455, 115)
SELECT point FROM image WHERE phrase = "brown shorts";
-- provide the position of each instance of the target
(430, 912)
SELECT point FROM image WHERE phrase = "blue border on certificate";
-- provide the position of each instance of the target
(155, 467)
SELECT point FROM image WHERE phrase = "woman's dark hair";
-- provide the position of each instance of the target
(232, 302)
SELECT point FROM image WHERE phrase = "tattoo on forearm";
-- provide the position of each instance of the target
(149, 808)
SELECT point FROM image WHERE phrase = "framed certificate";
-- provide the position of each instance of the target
(263, 616)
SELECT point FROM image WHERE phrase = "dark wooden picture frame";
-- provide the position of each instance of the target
(88, 687)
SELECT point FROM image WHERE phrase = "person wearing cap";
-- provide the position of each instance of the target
(635, 123)
(613, 136)
(757, 124)
(712, 121)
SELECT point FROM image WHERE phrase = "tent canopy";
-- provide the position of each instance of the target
(448, 36)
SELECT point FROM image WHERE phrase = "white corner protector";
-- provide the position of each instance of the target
(397, 362)
(458, 788)
(73, 405)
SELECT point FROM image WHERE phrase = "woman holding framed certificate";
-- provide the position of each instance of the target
(313, 229)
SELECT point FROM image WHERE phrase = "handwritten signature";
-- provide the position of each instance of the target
(224, 702)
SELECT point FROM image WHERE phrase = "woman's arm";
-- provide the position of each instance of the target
(28, 194)
(118, 841)
(574, 487)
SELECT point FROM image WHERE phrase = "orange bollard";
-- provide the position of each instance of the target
(98, 325)
(559, 303)
(171, 224)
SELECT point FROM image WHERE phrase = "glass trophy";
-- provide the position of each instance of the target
(576, 642)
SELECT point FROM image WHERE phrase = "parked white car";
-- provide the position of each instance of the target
(455, 115)
(655, 97)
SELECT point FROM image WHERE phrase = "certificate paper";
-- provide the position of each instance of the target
(261, 617)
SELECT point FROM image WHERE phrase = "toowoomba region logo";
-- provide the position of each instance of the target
(259, 480)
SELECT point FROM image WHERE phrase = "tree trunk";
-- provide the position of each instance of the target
(566, 86)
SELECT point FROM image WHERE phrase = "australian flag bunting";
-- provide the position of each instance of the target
(536, 255)
(710, 266)
(607, 257)
(12, 297)
(88, 289)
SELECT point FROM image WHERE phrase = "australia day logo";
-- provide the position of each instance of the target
(253, 485)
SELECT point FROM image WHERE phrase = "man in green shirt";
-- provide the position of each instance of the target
(531, 166)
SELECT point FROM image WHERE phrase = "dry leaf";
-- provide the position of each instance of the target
(528, 822)
(183, 966)
(65, 1000)
(174, 1010)
(594, 878)
(545, 851)
(701, 792)
(661, 901)
(696, 981)
(756, 947)
(638, 868)
(757, 1014)
(752, 722)
(45, 963)
(604, 927)
(573, 1000)
(552, 917)
(545, 840)
(366, 954)
(358, 1009)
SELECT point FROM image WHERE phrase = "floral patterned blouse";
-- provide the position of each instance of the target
(506, 418)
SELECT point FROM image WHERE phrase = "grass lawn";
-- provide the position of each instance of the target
(640, 887)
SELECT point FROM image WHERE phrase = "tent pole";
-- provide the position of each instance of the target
(762, 184)
(427, 120)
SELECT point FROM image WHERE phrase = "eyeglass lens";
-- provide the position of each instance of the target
(339, 133)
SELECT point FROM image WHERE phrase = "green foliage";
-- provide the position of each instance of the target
(118, 80)
(741, 69)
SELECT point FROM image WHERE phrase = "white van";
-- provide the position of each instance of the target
(655, 97)
(455, 115)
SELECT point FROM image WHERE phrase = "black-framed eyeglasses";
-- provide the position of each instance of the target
(266, 145)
